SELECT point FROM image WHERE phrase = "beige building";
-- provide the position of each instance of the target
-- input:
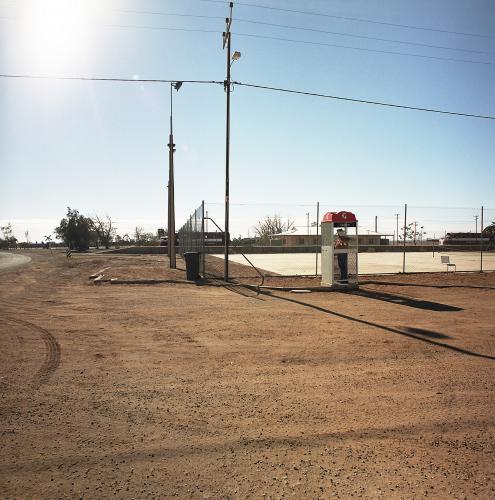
(300, 237)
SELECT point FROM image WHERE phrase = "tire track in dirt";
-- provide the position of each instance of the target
(52, 351)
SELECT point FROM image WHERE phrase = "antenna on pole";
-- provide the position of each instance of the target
(228, 22)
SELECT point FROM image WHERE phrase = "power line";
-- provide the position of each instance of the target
(379, 51)
(97, 79)
(135, 26)
(305, 42)
(147, 12)
(313, 30)
(356, 19)
(363, 101)
(166, 28)
(252, 85)
(389, 40)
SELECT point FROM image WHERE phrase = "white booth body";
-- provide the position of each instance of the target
(339, 250)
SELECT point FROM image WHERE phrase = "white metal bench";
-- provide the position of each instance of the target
(446, 260)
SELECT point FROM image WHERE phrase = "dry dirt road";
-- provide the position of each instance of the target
(177, 390)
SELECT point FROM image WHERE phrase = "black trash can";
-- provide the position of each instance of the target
(192, 265)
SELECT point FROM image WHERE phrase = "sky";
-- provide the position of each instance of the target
(101, 147)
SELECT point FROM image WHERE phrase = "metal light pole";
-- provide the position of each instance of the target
(171, 191)
(476, 220)
(307, 217)
(227, 84)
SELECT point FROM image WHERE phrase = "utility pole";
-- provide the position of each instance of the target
(476, 220)
(481, 240)
(307, 216)
(171, 193)
(226, 83)
(415, 226)
(404, 242)
(376, 223)
(397, 232)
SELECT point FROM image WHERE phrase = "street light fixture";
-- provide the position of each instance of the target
(171, 191)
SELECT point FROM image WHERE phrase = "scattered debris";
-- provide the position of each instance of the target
(100, 272)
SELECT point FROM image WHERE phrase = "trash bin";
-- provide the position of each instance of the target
(192, 265)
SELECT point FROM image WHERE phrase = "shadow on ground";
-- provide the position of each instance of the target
(402, 300)
(410, 332)
(394, 283)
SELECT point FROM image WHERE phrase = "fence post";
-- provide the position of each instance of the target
(404, 248)
(317, 222)
(481, 241)
(203, 236)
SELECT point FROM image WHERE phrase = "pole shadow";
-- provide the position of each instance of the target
(402, 300)
(408, 332)
(392, 283)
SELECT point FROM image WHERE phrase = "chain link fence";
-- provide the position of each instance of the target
(191, 235)
(285, 239)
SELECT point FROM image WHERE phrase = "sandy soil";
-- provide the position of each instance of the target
(156, 391)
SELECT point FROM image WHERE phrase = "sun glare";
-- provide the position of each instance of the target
(57, 35)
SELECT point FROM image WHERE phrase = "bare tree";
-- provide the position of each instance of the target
(26, 234)
(412, 232)
(104, 229)
(138, 235)
(272, 225)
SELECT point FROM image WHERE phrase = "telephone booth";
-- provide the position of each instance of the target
(339, 250)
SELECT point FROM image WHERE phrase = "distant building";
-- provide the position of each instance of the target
(300, 237)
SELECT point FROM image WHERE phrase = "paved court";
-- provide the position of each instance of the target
(369, 263)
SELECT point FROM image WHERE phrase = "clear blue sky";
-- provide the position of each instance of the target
(101, 147)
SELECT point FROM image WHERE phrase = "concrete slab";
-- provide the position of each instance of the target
(371, 263)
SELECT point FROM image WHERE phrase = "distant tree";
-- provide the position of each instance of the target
(7, 231)
(138, 235)
(236, 242)
(75, 230)
(147, 238)
(26, 234)
(104, 230)
(489, 230)
(413, 232)
(9, 240)
(272, 225)
(161, 232)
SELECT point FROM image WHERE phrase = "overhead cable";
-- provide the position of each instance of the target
(98, 79)
(252, 85)
(302, 28)
(379, 51)
(364, 101)
(305, 42)
(356, 19)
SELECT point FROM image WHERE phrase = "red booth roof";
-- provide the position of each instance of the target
(339, 217)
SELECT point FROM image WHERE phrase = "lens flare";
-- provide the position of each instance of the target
(57, 35)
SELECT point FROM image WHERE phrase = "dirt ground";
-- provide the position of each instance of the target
(180, 390)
